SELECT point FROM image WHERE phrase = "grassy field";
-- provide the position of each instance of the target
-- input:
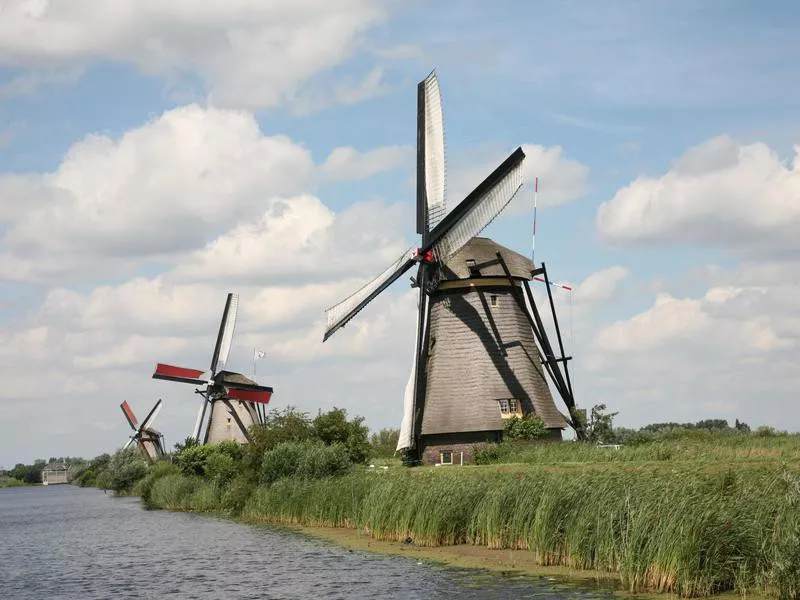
(696, 516)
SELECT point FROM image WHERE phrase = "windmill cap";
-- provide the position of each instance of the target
(480, 254)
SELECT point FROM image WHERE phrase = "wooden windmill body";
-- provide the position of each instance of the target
(481, 350)
(480, 362)
(236, 402)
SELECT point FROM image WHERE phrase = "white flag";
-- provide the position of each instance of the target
(258, 354)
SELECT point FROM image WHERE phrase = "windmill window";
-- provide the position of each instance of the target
(509, 406)
(446, 457)
(493, 300)
(474, 271)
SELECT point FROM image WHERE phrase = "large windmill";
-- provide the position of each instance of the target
(236, 401)
(481, 350)
(149, 441)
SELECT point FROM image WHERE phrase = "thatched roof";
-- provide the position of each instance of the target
(484, 252)
(231, 378)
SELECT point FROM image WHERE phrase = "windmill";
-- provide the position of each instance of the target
(481, 350)
(149, 441)
(236, 401)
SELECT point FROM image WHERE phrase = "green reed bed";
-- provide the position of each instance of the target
(685, 529)
(696, 446)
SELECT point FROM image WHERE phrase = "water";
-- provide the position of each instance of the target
(66, 542)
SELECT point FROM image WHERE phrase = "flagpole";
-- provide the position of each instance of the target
(535, 198)
(254, 362)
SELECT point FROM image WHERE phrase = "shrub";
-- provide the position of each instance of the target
(281, 461)
(317, 462)
(529, 427)
(310, 459)
(125, 469)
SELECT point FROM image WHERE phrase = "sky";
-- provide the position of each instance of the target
(155, 156)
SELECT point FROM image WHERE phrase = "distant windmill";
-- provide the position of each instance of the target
(481, 350)
(149, 441)
(236, 401)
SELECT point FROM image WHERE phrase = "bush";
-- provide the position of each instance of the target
(317, 462)
(125, 469)
(306, 460)
(281, 461)
(333, 427)
(491, 453)
(529, 427)
(144, 488)
(215, 461)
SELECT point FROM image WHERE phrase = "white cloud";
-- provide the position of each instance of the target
(346, 162)
(601, 285)
(300, 236)
(730, 353)
(158, 190)
(722, 192)
(249, 53)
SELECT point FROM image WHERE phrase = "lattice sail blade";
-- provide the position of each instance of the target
(128, 412)
(148, 422)
(337, 316)
(225, 335)
(431, 166)
(129, 442)
(478, 209)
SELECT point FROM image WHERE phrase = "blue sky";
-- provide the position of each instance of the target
(615, 95)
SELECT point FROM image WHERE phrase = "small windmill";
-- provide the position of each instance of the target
(148, 440)
(236, 401)
(481, 350)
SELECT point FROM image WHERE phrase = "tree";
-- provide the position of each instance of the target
(600, 428)
(332, 427)
(187, 443)
(384, 442)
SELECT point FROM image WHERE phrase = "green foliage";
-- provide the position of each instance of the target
(528, 427)
(11, 482)
(188, 442)
(288, 425)
(88, 477)
(144, 487)
(600, 428)
(333, 427)
(29, 474)
(310, 459)
(218, 462)
(125, 469)
(281, 461)
(487, 454)
(384, 443)
(319, 461)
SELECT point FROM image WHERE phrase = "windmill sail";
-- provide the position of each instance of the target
(128, 412)
(152, 416)
(431, 171)
(225, 336)
(480, 208)
(338, 315)
(405, 439)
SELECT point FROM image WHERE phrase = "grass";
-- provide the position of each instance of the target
(683, 516)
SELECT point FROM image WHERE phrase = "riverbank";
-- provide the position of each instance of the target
(668, 528)
(505, 562)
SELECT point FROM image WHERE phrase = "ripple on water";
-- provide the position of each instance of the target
(65, 542)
